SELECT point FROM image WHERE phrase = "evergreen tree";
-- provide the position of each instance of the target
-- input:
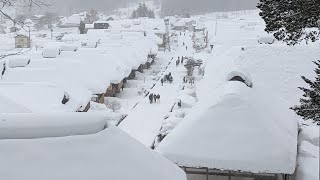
(142, 11)
(309, 107)
(291, 21)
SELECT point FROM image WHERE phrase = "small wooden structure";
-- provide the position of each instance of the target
(202, 173)
(86, 109)
(132, 75)
(98, 98)
(140, 68)
(101, 25)
(22, 41)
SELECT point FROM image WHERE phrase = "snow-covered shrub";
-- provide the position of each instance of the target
(51, 52)
(114, 105)
(266, 40)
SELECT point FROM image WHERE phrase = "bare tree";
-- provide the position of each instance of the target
(17, 21)
(14, 3)
(114, 105)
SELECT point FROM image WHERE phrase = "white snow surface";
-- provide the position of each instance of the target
(308, 162)
(109, 154)
(42, 125)
(238, 130)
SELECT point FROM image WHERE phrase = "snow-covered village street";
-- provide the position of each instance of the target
(139, 93)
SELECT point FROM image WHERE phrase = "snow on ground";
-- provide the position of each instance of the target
(308, 154)
(145, 121)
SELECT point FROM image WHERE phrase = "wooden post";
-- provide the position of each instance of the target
(207, 173)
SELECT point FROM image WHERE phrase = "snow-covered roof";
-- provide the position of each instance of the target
(7, 105)
(242, 129)
(49, 124)
(109, 154)
(40, 97)
(183, 21)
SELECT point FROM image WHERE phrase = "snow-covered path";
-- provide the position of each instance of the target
(145, 120)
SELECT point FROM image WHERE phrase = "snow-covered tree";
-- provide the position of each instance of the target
(114, 105)
(142, 11)
(309, 107)
(291, 21)
(91, 17)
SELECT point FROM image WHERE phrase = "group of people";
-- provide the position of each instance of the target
(180, 61)
(167, 78)
(154, 98)
(190, 79)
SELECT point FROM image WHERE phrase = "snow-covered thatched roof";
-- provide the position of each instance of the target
(241, 129)
(40, 97)
(108, 154)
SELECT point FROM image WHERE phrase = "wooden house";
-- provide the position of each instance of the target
(22, 41)
(101, 25)
(132, 75)
(110, 19)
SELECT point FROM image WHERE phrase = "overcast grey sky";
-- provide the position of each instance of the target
(169, 6)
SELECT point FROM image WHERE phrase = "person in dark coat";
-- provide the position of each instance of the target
(186, 47)
(151, 98)
(183, 43)
(155, 98)
(162, 81)
(158, 98)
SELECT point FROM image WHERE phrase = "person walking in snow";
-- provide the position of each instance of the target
(155, 98)
(183, 44)
(184, 80)
(151, 98)
(179, 58)
(162, 81)
(186, 48)
(158, 98)
(180, 33)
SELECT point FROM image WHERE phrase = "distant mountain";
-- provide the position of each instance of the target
(173, 7)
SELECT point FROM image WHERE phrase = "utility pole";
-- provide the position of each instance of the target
(167, 23)
(29, 42)
(216, 26)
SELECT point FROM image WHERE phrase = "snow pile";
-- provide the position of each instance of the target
(18, 61)
(30, 125)
(238, 130)
(310, 134)
(9, 106)
(266, 39)
(69, 47)
(51, 51)
(240, 75)
(110, 154)
(308, 156)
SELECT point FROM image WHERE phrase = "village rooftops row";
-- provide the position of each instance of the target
(76, 146)
(82, 74)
